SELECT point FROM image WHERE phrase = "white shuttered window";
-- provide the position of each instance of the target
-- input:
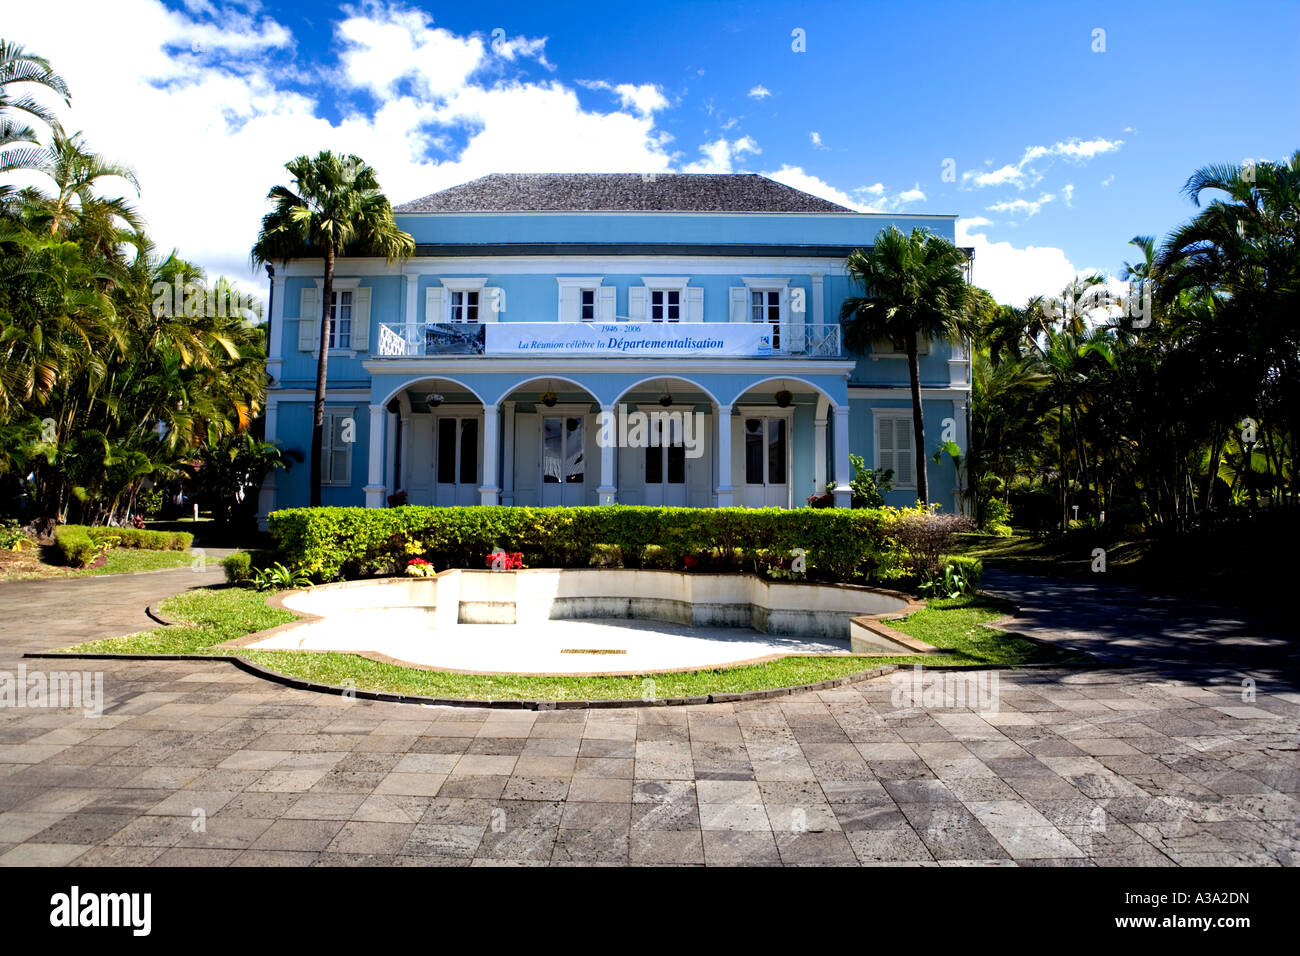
(894, 448)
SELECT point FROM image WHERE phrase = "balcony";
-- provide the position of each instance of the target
(611, 340)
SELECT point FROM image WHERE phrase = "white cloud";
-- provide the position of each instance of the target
(1067, 193)
(209, 132)
(816, 138)
(873, 198)
(759, 92)
(1023, 173)
(721, 154)
(995, 177)
(1025, 207)
(911, 195)
(1013, 275)
(796, 178)
(1108, 180)
(645, 98)
(510, 48)
(384, 45)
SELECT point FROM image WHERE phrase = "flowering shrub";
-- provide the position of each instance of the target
(925, 535)
(505, 561)
(419, 568)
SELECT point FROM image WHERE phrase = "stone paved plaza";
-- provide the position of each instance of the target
(1130, 764)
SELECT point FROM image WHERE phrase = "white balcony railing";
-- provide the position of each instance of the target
(611, 340)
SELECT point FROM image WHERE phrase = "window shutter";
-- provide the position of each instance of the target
(694, 304)
(904, 459)
(308, 320)
(361, 319)
(792, 333)
(433, 304)
(491, 303)
(885, 444)
(605, 303)
(636, 303)
(739, 304)
(569, 299)
(326, 447)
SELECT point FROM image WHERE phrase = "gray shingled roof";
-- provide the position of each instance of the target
(675, 192)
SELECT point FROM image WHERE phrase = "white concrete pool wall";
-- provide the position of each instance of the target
(815, 611)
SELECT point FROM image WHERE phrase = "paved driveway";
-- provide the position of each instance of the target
(199, 763)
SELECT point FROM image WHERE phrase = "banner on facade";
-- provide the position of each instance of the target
(628, 339)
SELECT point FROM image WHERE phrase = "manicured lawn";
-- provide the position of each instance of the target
(215, 615)
(210, 615)
(34, 561)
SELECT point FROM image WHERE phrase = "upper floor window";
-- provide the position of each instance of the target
(665, 305)
(341, 320)
(587, 305)
(464, 306)
(765, 306)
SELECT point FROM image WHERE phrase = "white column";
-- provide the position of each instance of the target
(412, 300)
(726, 495)
(402, 479)
(818, 315)
(490, 492)
(843, 476)
(508, 463)
(607, 493)
(819, 450)
(266, 497)
(275, 355)
(375, 459)
(959, 416)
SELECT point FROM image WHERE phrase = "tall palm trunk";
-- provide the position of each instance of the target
(322, 348)
(918, 422)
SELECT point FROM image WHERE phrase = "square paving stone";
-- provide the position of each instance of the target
(597, 790)
(591, 846)
(83, 828)
(529, 787)
(312, 835)
(660, 847)
(740, 848)
(517, 843)
(827, 848)
(371, 838)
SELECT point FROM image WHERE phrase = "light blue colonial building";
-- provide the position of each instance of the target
(504, 363)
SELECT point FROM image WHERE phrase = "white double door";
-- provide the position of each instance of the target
(457, 459)
(764, 443)
(564, 459)
(664, 463)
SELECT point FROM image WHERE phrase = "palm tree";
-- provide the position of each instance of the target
(75, 203)
(915, 288)
(335, 207)
(17, 66)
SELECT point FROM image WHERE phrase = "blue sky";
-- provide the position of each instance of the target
(1057, 151)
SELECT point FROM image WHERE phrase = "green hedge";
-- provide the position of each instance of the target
(237, 566)
(333, 543)
(75, 546)
(137, 538)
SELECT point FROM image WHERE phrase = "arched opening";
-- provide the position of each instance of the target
(436, 452)
(551, 456)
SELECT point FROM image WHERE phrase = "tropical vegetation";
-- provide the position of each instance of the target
(122, 368)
